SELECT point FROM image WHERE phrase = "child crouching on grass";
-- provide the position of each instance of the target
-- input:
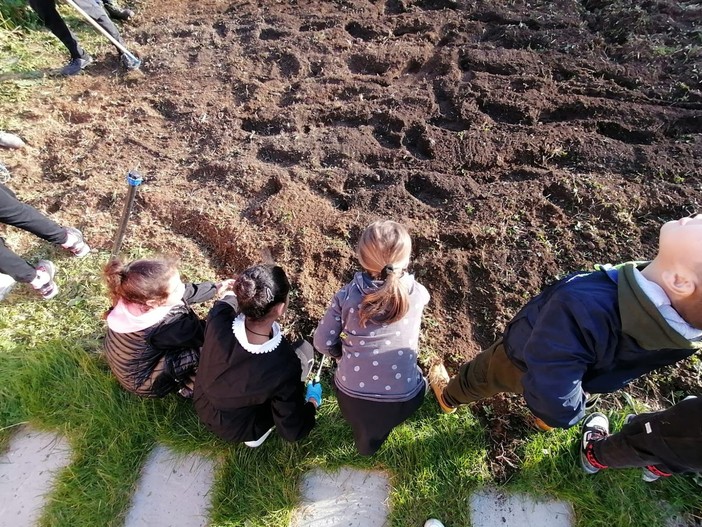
(153, 336)
(250, 377)
(372, 329)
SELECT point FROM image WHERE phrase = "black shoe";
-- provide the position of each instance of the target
(118, 13)
(76, 65)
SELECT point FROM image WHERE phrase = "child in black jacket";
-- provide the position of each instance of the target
(153, 336)
(249, 380)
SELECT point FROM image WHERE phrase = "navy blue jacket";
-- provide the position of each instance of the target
(571, 339)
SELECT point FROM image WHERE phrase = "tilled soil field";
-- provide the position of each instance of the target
(517, 140)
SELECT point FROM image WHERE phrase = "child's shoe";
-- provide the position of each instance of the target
(260, 440)
(540, 424)
(595, 428)
(44, 281)
(6, 285)
(438, 380)
(75, 242)
(650, 473)
(187, 388)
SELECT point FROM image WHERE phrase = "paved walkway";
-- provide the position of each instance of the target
(27, 472)
(174, 491)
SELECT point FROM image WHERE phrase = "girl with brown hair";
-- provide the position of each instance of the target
(371, 328)
(153, 335)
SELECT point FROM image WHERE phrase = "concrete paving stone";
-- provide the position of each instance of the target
(27, 472)
(173, 491)
(494, 508)
(348, 498)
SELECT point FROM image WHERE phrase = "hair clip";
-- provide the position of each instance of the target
(269, 294)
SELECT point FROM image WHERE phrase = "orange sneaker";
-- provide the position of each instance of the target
(438, 379)
(541, 425)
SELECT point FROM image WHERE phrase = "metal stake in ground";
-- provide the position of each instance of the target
(134, 179)
(133, 61)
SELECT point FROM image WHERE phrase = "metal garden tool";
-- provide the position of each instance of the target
(130, 60)
(134, 179)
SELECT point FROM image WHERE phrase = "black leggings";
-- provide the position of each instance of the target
(14, 212)
(46, 9)
(372, 421)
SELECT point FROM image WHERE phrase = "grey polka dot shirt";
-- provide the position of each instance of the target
(378, 362)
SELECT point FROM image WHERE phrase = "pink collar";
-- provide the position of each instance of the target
(121, 320)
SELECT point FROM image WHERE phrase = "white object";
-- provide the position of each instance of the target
(6, 285)
(9, 140)
(258, 442)
(431, 522)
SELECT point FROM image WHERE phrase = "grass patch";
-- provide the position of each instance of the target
(52, 374)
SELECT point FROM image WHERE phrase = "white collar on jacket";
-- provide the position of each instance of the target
(239, 328)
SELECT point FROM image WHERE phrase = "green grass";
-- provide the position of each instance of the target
(53, 376)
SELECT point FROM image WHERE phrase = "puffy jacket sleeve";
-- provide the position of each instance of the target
(195, 293)
(326, 339)
(292, 415)
(557, 354)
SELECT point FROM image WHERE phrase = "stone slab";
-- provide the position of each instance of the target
(27, 472)
(348, 498)
(174, 490)
(493, 508)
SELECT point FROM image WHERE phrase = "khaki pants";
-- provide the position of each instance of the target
(489, 373)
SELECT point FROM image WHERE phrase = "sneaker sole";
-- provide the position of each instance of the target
(83, 252)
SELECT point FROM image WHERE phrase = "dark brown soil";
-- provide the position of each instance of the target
(518, 141)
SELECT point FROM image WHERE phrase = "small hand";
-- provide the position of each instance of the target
(314, 393)
(225, 286)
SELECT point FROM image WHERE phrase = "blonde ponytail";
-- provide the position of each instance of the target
(384, 250)
(386, 305)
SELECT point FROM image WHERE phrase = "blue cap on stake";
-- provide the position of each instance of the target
(134, 179)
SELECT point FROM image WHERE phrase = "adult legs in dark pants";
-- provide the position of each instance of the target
(665, 442)
(14, 212)
(46, 9)
(372, 421)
